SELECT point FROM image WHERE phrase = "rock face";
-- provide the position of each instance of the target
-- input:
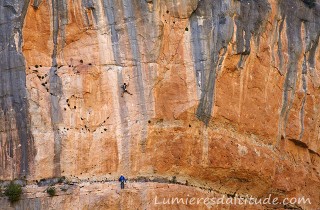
(225, 96)
(17, 147)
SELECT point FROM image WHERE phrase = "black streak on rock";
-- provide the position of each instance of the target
(60, 18)
(212, 30)
(18, 146)
(298, 14)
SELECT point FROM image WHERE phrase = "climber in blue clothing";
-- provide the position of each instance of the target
(122, 180)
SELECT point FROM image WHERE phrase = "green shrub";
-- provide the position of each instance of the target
(51, 191)
(61, 179)
(13, 191)
(174, 180)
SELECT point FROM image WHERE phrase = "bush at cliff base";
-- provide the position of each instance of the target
(13, 191)
(51, 191)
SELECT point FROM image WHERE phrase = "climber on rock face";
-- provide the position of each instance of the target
(124, 89)
(122, 180)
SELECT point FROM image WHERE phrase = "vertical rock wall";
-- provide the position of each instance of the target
(16, 141)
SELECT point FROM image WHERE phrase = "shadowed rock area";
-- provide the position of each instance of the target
(17, 151)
